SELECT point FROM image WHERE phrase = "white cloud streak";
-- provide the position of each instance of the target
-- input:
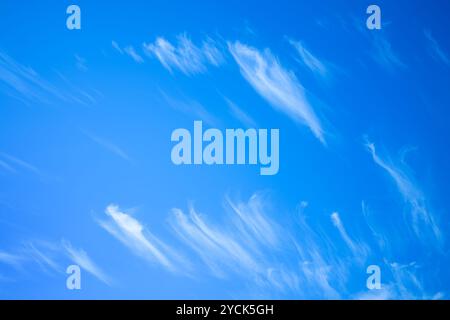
(240, 114)
(19, 163)
(422, 218)
(185, 56)
(358, 249)
(80, 63)
(278, 86)
(10, 259)
(191, 108)
(384, 55)
(314, 64)
(129, 51)
(132, 233)
(108, 146)
(435, 50)
(116, 46)
(7, 167)
(81, 258)
(253, 244)
(29, 84)
(133, 54)
(49, 258)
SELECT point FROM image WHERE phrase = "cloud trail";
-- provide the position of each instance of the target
(185, 56)
(435, 49)
(421, 218)
(81, 258)
(313, 63)
(132, 233)
(277, 85)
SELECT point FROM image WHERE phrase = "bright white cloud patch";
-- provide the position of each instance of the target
(133, 234)
(184, 55)
(277, 85)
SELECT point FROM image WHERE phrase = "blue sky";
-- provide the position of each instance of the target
(86, 176)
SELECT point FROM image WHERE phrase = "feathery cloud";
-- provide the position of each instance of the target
(185, 56)
(30, 86)
(132, 233)
(422, 218)
(275, 84)
(252, 242)
(81, 258)
(358, 249)
(309, 60)
(217, 249)
(42, 255)
(129, 50)
(51, 257)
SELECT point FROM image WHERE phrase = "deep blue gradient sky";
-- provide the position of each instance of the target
(86, 176)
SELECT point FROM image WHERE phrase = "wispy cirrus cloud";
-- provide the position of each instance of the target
(5, 166)
(13, 164)
(28, 86)
(358, 248)
(271, 258)
(80, 63)
(308, 59)
(51, 258)
(108, 145)
(43, 254)
(82, 259)
(10, 259)
(132, 233)
(422, 219)
(254, 242)
(129, 51)
(190, 107)
(277, 85)
(405, 283)
(184, 55)
(435, 49)
(384, 54)
(116, 46)
(133, 54)
(240, 114)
